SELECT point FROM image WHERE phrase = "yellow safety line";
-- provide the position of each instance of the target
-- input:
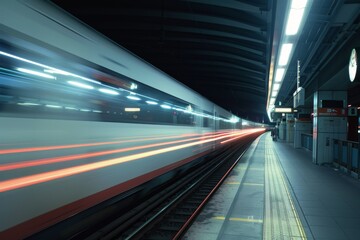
(255, 169)
(246, 220)
(250, 219)
(254, 184)
(247, 184)
(298, 222)
(237, 183)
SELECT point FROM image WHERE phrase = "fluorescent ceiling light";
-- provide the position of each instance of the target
(295, 16)
(298, 3)
(131, 97)
(132, 109)
(276, 86)
(41, 74)
(279, 74)
(81, 85)
(108, 91)
(285, 53)
(272, 101)
(283, 110)
(294, 20)
(274, 93)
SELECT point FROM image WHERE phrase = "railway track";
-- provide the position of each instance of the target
(164, 214)
(168, 214)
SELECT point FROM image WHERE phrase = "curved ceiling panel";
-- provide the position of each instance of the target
(221, 49)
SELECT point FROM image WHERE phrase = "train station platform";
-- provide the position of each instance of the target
(276, 192)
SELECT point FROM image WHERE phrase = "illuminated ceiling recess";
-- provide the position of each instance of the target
(295, 17)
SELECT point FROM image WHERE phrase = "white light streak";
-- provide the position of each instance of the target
(40, 74)
(151, 102)
(108, 91)
(133, 98)
(80, 85)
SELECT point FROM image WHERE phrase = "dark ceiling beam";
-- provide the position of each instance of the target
(208, 56)
(218, 48)
(236, 70)
(217, 9)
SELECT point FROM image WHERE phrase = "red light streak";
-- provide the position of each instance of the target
(11, 166)
(234, 138)
(53, 175)
(47, 148)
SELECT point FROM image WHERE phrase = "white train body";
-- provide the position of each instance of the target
(82, 119)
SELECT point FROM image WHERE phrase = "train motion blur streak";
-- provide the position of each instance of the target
(52, 175)
(84, 120)
(31, 163)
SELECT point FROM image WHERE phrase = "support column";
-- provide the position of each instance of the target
(282, 128)
(330, 122)
(301, 126)
(290, 127)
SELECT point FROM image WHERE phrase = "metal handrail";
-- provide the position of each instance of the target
(308, 138)
(346, 155)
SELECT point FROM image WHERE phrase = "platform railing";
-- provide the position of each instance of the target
(307, 141)
(346, 156)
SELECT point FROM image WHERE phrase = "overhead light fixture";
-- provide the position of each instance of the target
(279, 74)
(276, 86)
(297, 12)
(272, 101)
(295, 16)
(285, 53)
(283, 110)
(132, 109)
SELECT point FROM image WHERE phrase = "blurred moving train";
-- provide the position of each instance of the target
(83, 120)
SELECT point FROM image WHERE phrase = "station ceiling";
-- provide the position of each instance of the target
(225, 49)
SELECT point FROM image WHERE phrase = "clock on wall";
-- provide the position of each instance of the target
(354, 70)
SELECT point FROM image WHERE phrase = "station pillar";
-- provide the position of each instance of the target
(302, 126)
(330, 122)
(290, 127)
(282, 129)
